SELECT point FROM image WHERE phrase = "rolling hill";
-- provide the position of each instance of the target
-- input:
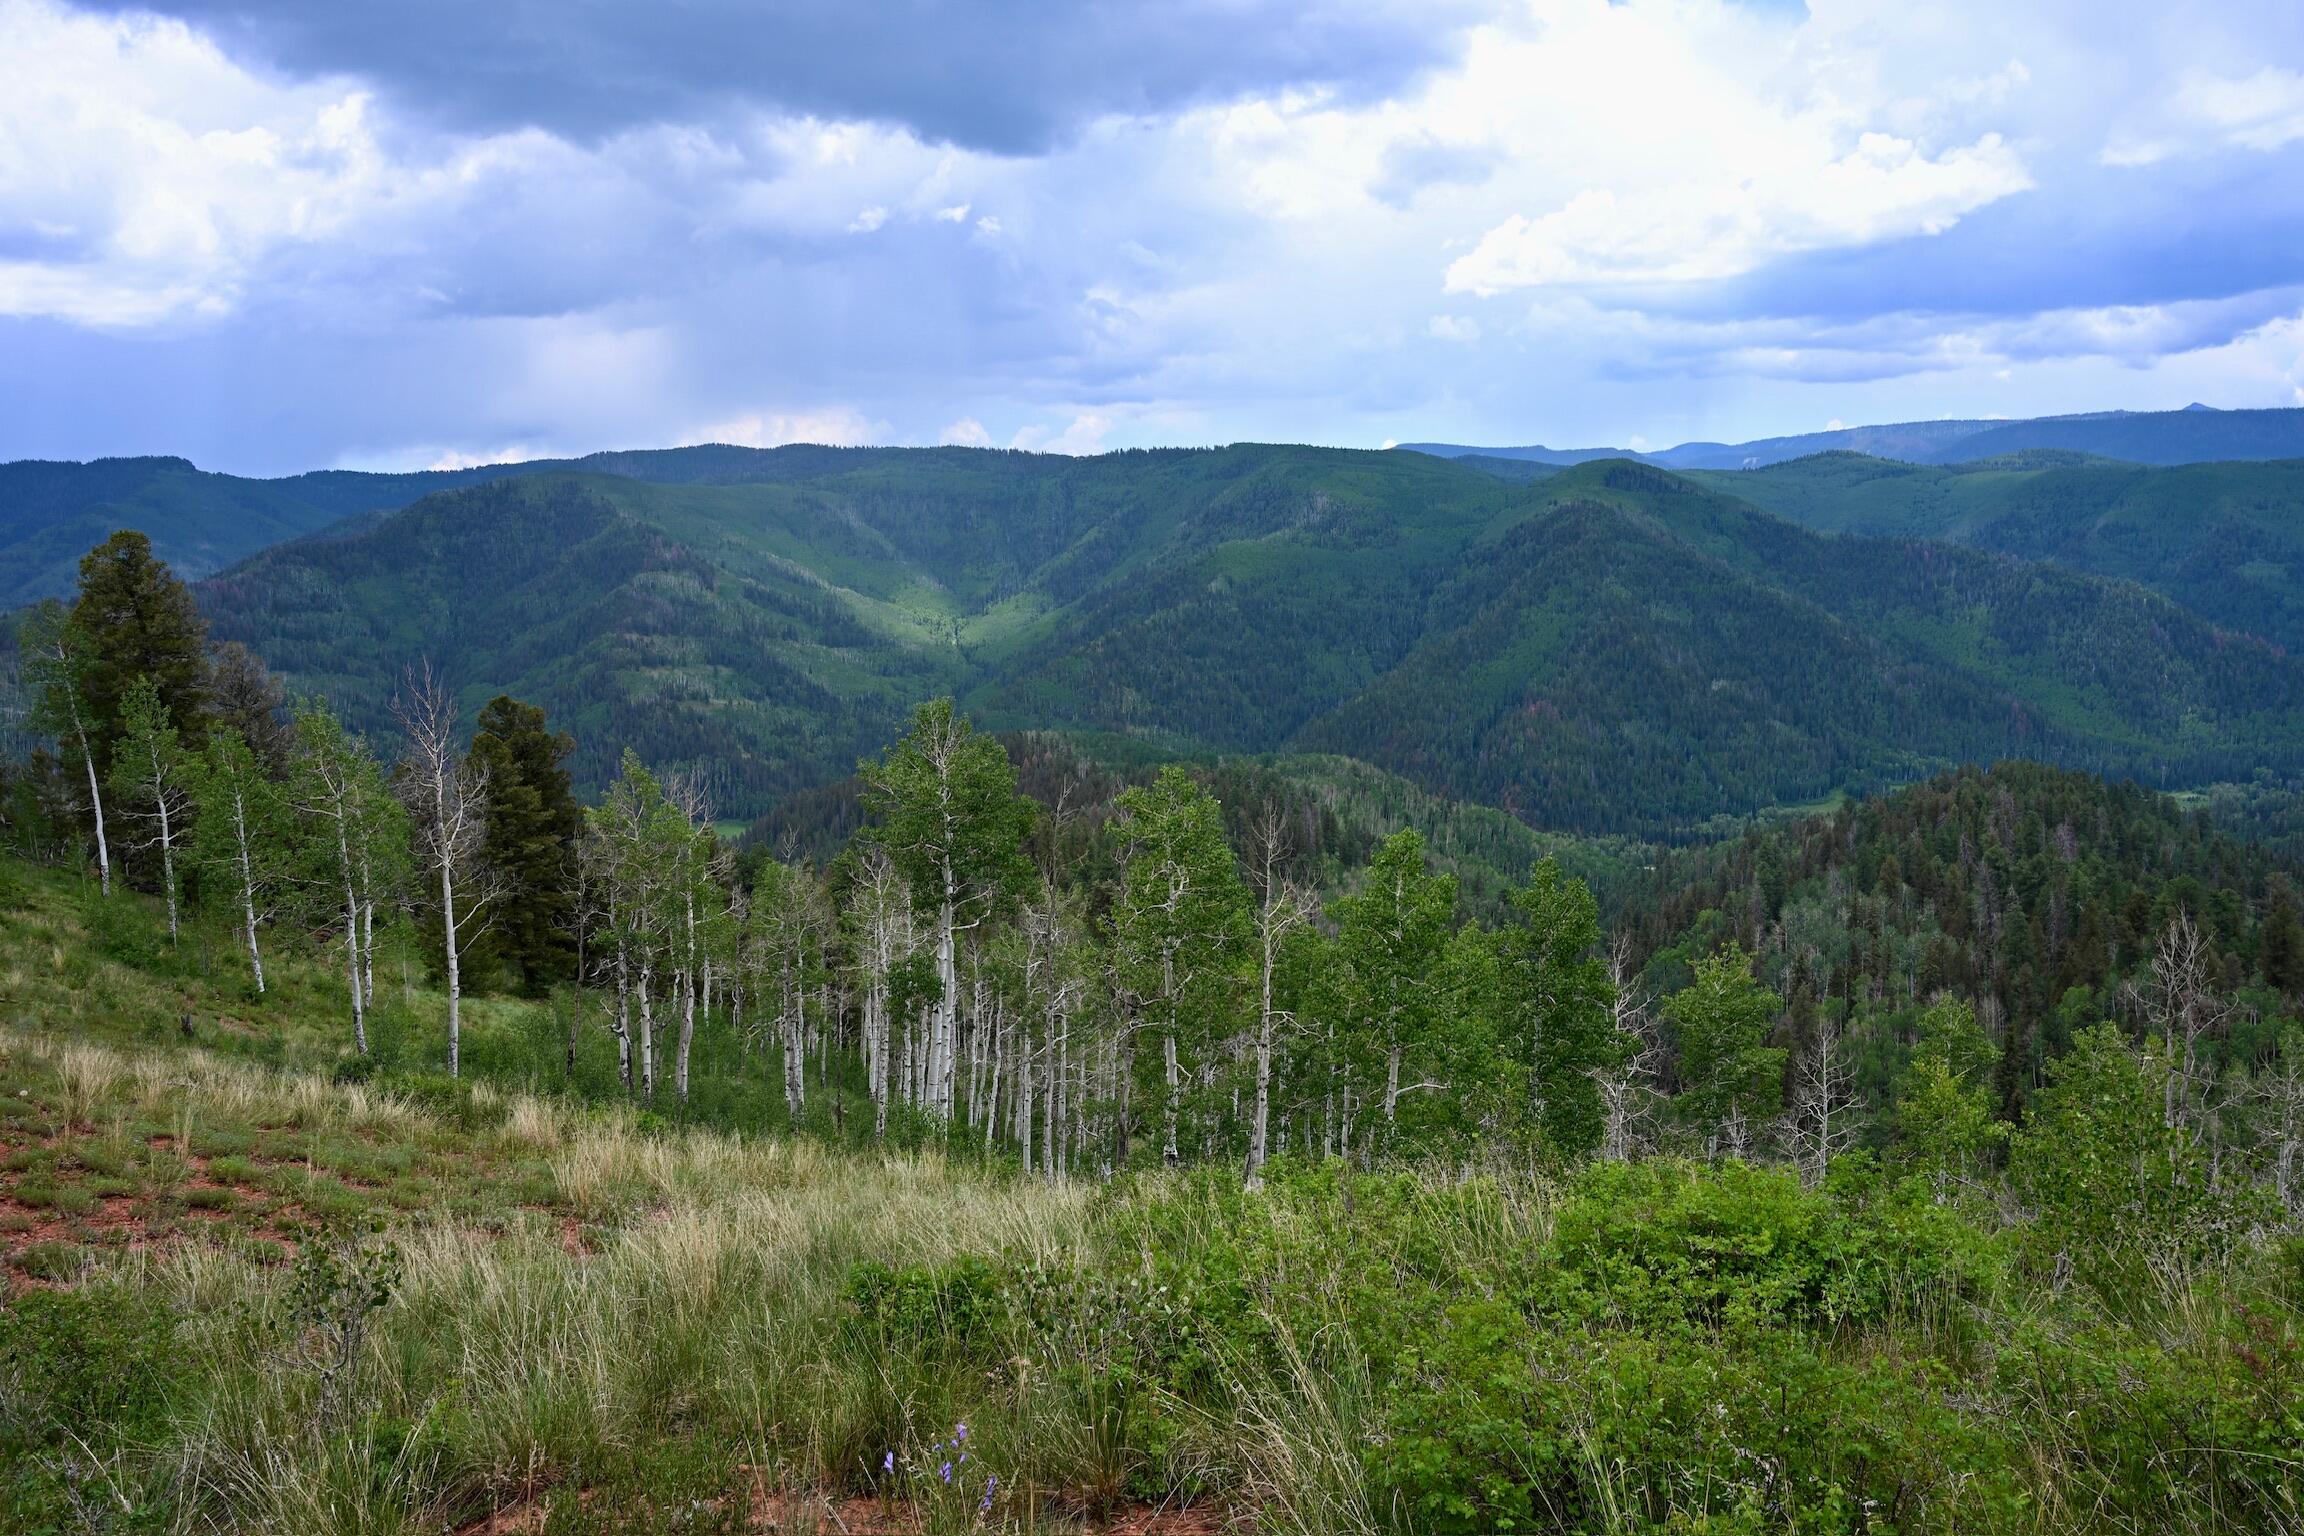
(199, 521)
(2193, 435)
(1612, 648)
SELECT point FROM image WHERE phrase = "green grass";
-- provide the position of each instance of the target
(259, 1294)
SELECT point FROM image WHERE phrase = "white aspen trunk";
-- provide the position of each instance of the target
(1025, 1098)
(623, 1021)
(455, 980)
(687, 1007)
(167, 851)
(95, 798)
(1259, 1130)
(684, 984)
(944, 1018)
(1052, 1153)
(1172, 1076)
(792, 1034)
(1175, 1080)
(876, 1062)
(647, 1031)
(368, 951)
(352, 937)
(247, 886)
(992, 1088)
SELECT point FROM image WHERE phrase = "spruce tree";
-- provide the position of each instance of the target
(139, 621)
(531, 824)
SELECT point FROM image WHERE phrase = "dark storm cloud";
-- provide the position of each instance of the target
(1008, 76)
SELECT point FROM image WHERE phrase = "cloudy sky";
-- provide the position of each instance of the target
(280, 234)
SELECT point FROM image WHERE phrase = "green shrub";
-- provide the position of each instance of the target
(1667, 1243)
(86, 1376)
(958, 1305)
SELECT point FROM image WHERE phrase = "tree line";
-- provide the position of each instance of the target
(1149, 977)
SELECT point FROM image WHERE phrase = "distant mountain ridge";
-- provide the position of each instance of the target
(2196, 434)
(200, 521)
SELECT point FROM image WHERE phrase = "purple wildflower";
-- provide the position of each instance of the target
(946, 1472)
(990, 1483)
(888, 1463)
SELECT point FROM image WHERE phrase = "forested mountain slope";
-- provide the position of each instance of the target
(1612, 648)
(52, 514)
(200, 521)
(2036, 894)
(2226, 540)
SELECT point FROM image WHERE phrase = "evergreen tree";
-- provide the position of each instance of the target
(140, 621)
(2281, 943)
(530, 825)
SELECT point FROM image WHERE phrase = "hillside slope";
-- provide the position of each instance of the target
(200, 521)
(2225, 540)
(1612, 648)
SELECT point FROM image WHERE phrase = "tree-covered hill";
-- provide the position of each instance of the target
(1636, 641)
(2226, 540)
(200, 521)
(52, 514)
(1613, 648)
(2039, 896)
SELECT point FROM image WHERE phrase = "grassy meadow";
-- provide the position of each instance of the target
(253, 1289)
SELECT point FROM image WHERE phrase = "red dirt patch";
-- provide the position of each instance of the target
(138, 1223)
